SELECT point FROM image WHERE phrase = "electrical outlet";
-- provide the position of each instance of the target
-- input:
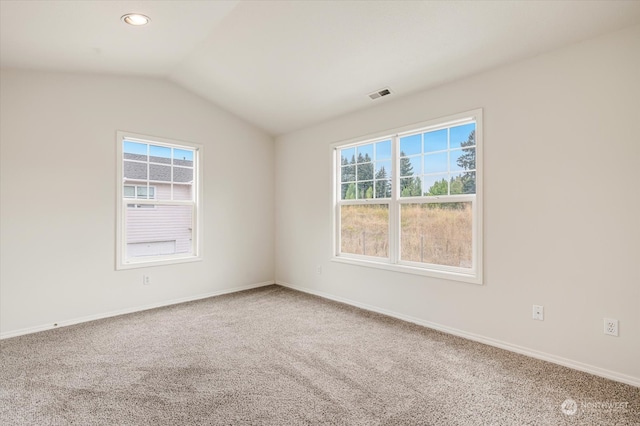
(538, 312)
(146, 280)
(319, 269)
(611, 326)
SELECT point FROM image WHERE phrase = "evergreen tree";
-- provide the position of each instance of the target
(348, 174)
(406, 169)
(365, 176)
(365, 168)
(383, 188)
(456, 186)
(465, 183)
(468, 162)
(409, 185)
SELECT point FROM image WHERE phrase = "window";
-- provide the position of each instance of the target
(411, 200)
(143, 192)
(163, 177)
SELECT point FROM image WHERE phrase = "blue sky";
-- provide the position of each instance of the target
(157, 151)
(435, 158)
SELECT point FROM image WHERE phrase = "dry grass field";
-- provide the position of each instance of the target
(365, 230)
(430, 233)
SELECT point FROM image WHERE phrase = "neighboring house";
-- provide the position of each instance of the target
(156, 229)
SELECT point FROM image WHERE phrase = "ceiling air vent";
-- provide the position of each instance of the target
(380, 93)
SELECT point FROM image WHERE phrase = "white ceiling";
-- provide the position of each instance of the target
(283, 65)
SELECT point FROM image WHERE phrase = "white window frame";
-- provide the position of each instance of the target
(121, 204)
(472, 275)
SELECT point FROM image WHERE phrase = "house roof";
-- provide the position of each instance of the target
(159, 168)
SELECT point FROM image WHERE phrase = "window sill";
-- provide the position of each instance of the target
(157, 262)
(470, 278)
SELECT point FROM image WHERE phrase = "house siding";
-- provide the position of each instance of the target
(159, 225)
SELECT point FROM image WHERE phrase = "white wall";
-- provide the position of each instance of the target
(562, 208)
(58, 165)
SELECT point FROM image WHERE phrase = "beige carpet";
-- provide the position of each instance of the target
(273, 356)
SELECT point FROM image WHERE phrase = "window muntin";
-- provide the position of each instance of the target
(365, 171)
(438, 162)
(163, 178)
(365, 177)
(431, 196)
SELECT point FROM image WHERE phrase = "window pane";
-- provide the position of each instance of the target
(142, 192)
(364, 171)
(456, 185)
(365, 230)
(159, 154)
(410, 145)
(435, 141)
(182, 174)
(182, 192)
(410, 187)
(157, 231)
(161, 173)
(436, 185)
(383, 188)
(454, 160)
(134, 170)
(134, 151)
(347, 156)
(380, 165)
(383, 150)
(410, 166)
(435, 163)
(348, 191)
(464, 183)
(365, 190)
(162, 191)
(439, 234)
(348, 173)
(463, 135)
(364, 153)
(129, 191)
(183, 157)
(463, 159)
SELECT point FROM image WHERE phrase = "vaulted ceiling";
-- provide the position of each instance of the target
(284, 65)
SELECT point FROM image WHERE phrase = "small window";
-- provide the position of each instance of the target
(411, 200)
(139, 192)
(162, 225)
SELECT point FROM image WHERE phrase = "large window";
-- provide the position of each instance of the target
(411, 199)
(163, 178)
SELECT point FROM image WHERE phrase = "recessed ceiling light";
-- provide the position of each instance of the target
(135, 19)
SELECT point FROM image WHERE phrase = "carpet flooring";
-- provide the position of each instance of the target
(274, 356)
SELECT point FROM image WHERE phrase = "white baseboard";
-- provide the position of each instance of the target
(73, 321)
(576, 365)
